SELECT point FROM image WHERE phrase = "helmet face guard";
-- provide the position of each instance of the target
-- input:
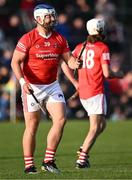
(44, 10)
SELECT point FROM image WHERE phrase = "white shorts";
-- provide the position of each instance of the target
(49, 93)
(95, 105)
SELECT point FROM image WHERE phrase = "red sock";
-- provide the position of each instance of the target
(49, 155)
(29, 161)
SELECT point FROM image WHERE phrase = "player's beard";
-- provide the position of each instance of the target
(50, 26)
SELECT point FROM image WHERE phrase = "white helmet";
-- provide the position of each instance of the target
(42, 10)
(95, 26)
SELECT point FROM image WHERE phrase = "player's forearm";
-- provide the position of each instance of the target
(16, 67)
(67, 71)
(70, 75)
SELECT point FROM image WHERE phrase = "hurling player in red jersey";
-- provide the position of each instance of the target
(95, 68)
(35, 63)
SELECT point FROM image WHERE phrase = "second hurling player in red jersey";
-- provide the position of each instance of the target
(96, 67)
(91, 79)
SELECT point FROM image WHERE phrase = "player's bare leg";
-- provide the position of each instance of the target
(97, 125)
(57, 112)
(102, 124)
(31, 125)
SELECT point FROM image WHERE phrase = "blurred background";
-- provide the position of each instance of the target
(16, 19)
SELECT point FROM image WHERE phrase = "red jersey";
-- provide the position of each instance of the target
(42, 56)
(91, 79)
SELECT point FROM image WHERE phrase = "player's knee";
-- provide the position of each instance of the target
(31, 130)
(60, 123)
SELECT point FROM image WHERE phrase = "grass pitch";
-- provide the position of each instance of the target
(110, 158)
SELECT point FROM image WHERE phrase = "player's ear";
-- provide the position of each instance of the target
(39, 20)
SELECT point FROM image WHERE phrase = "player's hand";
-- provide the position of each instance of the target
(27, 88)
(79, 63)
(74, 96)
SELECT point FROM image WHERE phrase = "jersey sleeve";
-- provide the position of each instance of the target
(105, 55)
(63, 43)
(76, 51)
(23, 44)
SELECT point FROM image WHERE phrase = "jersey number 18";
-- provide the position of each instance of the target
(88, 59)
